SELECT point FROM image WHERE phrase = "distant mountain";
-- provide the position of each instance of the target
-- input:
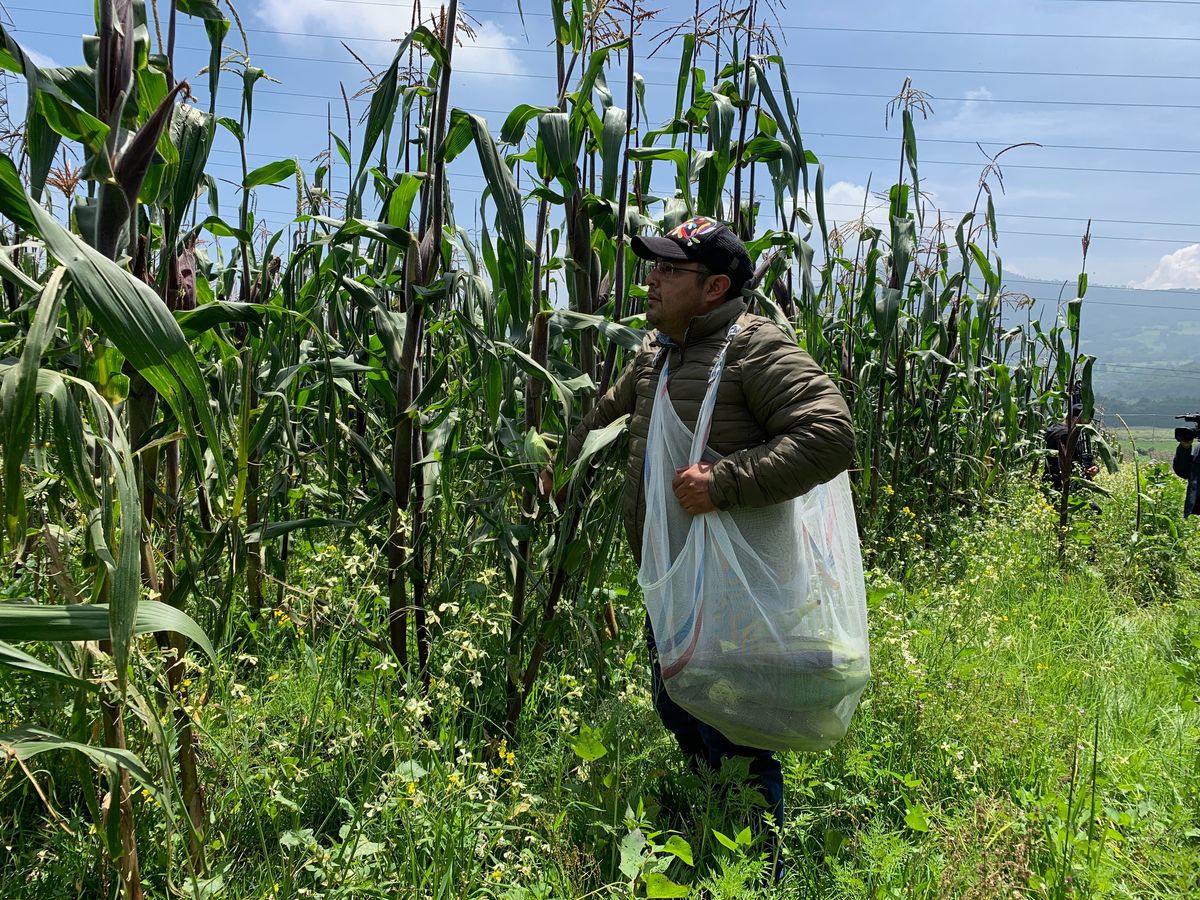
(1147, 344)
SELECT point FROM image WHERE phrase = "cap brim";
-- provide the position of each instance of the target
(656, 247)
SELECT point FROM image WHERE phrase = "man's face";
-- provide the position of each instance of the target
(679, 294)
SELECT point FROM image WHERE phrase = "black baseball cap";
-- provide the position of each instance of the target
(703, 240)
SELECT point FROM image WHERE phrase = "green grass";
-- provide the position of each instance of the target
(1028, 732)
(1156, 444)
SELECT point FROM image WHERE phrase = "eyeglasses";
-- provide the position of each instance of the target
(667, 269)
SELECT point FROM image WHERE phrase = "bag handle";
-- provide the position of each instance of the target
(704, 419)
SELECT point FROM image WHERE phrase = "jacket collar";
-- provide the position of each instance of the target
(705, 326)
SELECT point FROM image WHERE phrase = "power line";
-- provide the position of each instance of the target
(1000, 100)
(1174, 292)
(955, 162)
(871, 137)
(855, 94)
(1115, 37)
(1121, 75)
(935, 162)
(790, 64)
(1146, 2)
(305, 34)
(262, 211)
(947, 212)
(1090, 302)
(1002, 34)
(932, 140)
(1178, 372)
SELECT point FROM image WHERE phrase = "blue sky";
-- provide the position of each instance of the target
(1108, 128)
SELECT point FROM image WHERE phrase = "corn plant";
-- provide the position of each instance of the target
(183, 400)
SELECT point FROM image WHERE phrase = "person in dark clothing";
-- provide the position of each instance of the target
(780, 427)
(1187, 466)
(1056, 443)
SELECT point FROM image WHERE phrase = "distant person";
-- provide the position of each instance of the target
(1187, 466)
(1056, 444)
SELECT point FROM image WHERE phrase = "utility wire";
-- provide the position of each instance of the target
(1146, 369)
(854, 94)
(1115, 37)
(788, 63)
(933, 140)
(1145, 2)
(880, 206)
(935, 162)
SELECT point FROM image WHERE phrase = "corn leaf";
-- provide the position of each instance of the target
(271, 173)
(90, 622)
(18, 402)
(27, 742)
(18, 660)
(612, 145)
(128, 313)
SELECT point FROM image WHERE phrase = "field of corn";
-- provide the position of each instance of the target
(284, 614)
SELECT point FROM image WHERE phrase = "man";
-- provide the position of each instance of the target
(780, 426)
(1056, 443)
(1187, 466)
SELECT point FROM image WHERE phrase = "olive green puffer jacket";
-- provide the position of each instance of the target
(780, 424)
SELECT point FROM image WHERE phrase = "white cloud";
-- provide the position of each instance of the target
(848, 203)
(489, 51)
(1180, 269)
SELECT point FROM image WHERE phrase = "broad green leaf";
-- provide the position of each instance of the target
(596, 441)
(686, 57)
(659, 885)
(41, 139)
(71, 122)
(910, 157)
(260, 532)
(195, 322)
(917, 818)
(623, 335)
(587, 744)
(411, 770)
(612, 146)
(192, 132)
(513, 130)
(557, 156)
(680, 848)
(725, 841)
(271, 173)
(89, 622)
(509, 216)
(18, 402)
(633, 847)
(18, 660)
(27, 742)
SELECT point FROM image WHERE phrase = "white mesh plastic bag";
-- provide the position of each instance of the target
(759, 615)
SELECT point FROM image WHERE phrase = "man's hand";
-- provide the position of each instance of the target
(691, 488)
(1092, 472)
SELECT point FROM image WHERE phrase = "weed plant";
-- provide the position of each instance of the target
(1029, 732)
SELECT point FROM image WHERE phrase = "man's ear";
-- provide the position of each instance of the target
(717, 289)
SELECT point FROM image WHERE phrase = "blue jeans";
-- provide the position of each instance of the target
(704, 745)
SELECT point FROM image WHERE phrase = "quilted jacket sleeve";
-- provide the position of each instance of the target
(811, 432)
